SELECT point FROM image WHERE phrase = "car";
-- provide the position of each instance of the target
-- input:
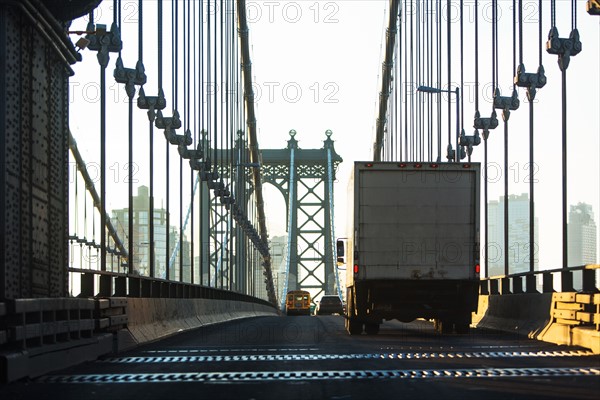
(330, 304)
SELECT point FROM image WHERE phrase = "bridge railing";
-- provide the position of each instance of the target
(96, 283)
(544, 281)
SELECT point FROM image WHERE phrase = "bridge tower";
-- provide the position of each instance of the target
(304, 177)
(35, 64)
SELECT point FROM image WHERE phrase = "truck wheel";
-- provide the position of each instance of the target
(354, 326)
(443, 326)
(462, 324)
(372, 329)
(462, 328)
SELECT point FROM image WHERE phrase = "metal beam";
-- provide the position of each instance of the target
(253, 143)
(388, 63)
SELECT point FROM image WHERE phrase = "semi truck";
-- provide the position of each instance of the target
(412, 244)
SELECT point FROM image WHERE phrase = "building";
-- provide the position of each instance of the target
(278, 250)
(518, 235)
(581, 235)
(141, 239)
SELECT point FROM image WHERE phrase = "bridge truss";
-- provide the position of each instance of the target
(305, 178)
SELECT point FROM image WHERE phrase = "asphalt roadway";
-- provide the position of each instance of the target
(312, 357)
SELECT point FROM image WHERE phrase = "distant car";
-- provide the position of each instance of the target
(330, 304)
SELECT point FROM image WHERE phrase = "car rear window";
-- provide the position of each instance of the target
(330, 300)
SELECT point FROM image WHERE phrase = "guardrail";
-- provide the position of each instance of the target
(28, 324)
(39, 335)
(566, 316)
(101, 307)
(513, 284)
(95, 283)
(576, 309)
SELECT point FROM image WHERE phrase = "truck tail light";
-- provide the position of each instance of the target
(356, 268)
(477, 268)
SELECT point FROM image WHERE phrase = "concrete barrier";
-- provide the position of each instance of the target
(533, 315)
(575, 320)
(150, 319)
(524, 314)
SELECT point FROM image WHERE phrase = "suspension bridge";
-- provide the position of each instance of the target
(133, 175)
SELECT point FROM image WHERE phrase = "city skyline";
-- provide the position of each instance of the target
(518, 221)
(582, 235)
(141, 239)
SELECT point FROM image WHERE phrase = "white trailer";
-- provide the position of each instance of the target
(412, 246)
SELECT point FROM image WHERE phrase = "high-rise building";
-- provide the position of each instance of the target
(518, 235)
(581, 235)
(278, 248)
(141, 239)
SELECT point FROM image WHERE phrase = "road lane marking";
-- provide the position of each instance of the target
(256, 376)
(324, 357)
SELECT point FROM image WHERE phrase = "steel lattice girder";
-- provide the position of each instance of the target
(312, 226)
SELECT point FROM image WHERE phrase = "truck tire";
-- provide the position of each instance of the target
(372, 328)
(462, 328)
(462, 324)
(354, 326)
(443, 326)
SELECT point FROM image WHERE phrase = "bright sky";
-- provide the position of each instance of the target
(310, 44)
(316, 66)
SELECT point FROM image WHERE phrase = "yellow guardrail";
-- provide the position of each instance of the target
(575, 318)
(576, 309)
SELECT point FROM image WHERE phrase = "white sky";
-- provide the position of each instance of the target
(318, 65)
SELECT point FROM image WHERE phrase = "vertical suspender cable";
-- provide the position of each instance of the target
(222, 144)
(485, 153)
(420, 62)
(167, 183)
(449, 53)
(530, 97)
(230, 146)
(532, 244)
(438, 27)
(130, 178)
(202, 137)
(185, 84)
(161, 92)
(291, 197)
(399, 87)
(151, 219)
(462, 72)
(103, 154)
(565, 260)
(210, 83)
(506, 210)
(412, 79)
(212, 76)
(405, 84)
(194, 142)
(430, 74)
(188, 107)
